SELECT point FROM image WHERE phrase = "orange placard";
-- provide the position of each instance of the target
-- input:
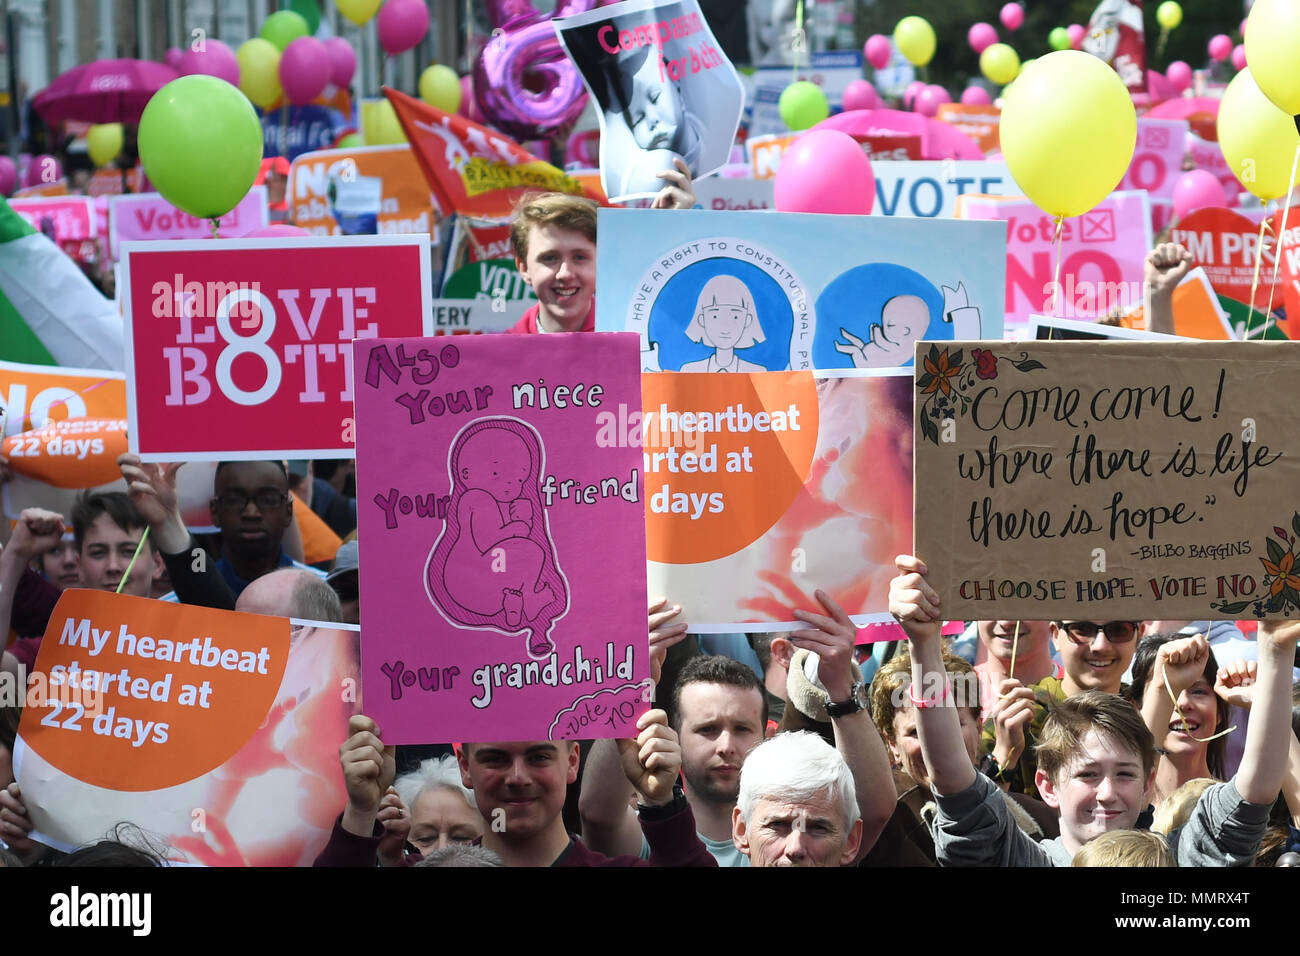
(140, 694)
(1197, 313)
(70, 453)
(402, 195)
(980, 123)
(36, 394)
(725, 457)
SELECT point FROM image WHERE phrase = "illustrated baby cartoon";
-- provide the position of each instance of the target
(494, 565)
(724, 319)
(903, 322)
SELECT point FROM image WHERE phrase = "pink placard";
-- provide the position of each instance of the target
(242, 348)
(500, 510)
(1209, 156)
(1157, 158)
(149, 216)
(71, 218)
(1101, 257)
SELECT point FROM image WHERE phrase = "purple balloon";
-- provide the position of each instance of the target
(277, 230)
(173, 58)
(1197, 189)
(43, 170)
(910, 94)
(861, 95)
(981, 36)
(1179, 74)
(524, 41)
(402, 25)
(976, 96)
(878, 51)
(304, 70)
(343, 61)
(8, 176)
(215, 59)
(1239, 57)
(930, 99)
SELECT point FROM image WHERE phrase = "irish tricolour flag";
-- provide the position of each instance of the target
(50, 313)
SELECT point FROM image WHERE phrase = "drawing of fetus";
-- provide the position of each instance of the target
(903, 322)
(724, 319)
(494, 564)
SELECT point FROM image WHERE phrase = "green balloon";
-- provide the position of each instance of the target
(803, 104)
(201, 145)
(350, 141)
(1059, 39)
(309, 10)
(283, 27)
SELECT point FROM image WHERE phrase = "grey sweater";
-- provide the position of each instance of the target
(974, 828)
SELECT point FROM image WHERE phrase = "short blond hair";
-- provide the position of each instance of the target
(556, 209)
(1125, 848)
(1178, 806)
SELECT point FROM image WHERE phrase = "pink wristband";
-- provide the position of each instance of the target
(922, 704)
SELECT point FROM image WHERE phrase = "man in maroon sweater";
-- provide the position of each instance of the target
(519, 788)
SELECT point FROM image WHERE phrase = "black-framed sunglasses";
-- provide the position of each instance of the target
(268, 499)
(1117, 632)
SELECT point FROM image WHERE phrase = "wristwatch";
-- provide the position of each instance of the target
(857, 701)
(674, 806)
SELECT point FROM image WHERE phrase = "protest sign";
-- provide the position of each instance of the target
(481, 263)
(763, 488)
(1101, 255)
(982, 124)
(62, 218)
(1116, 36)
(735, 194)
(149, 216)
(1288, 233)
(1225, 243)
(1158, 157)
(1159, 490)
(484, 466)
(1208, 155)
(114, 182)
(374, 189)
(765, 152)
(831, 70)
(219, 332)
(465, 316)
(825, 292)
(1045, 328)
(930, 188)
(663, 89)
(295, 130)
(215, 731)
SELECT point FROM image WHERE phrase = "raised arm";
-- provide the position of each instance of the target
(1165, 267)
(1264, 761)
(1235, 683)
(35, 532)
(1179, 664)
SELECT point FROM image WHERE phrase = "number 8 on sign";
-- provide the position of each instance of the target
(255, 344)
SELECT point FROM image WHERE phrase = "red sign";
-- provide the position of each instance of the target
(242, 348)
(1289, 271)
(1225, 244)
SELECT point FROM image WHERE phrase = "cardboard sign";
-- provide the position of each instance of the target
(63, 219)
(805, 291)
(243, 349)
(930, 189)
(361, 191)
(663, 90)
(1101, 255)
(981, 123)
(149, 216)
(763, 488)
(1158, 157)
(1225, 244)
(1159, 490)
(502, 505)
(216, 731)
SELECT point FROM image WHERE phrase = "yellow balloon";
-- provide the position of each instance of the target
(104, 142)
(1068, 131)
(914, 38)
(1257, 138)
(358, 11)
(379, 124)
(1272, 41)
(259, 71)
(440, 87)
(999, 63)
(1169, 14)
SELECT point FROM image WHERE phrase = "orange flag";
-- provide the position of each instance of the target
(471, 169)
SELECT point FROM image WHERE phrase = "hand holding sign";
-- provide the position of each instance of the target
(368, 771)
(653, 760)
(15, 824)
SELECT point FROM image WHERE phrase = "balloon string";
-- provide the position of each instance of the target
(798, 39)
(1160, 45)
(1056, 270)
(1254, 282)
(1286, 211)
(1183, 720)
(1015, 649)
(138, 548)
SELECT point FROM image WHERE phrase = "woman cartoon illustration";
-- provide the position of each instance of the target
(724, 319)
(494, 563)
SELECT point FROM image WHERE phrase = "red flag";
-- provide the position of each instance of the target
(473, 170)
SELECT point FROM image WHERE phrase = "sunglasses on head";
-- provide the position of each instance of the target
(1117, 632)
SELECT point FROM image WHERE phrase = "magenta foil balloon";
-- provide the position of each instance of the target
(343, 61)
(214, 59)
(524, 41)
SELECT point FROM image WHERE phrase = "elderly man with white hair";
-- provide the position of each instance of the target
(797, 804)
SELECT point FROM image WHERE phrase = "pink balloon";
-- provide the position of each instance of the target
(1239, 57)
(826, 171)
(1179, 74)
(1077, 33)
(878, 51)
(304, 70)
(343, 61)
(930, 99)
(1220, 47)
(43, 170)
(8, 176)
(1197, 189)
(861, 95)
(402, 24)
(214, 59)
(277, 230)
(910, 94)
(976, 96)
(1012, 15)
(173, 57)
(981, 36)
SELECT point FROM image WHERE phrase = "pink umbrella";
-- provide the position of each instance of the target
(939, 140)
(106, 91)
